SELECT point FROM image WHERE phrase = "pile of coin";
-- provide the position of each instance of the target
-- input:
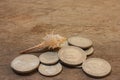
(74, 53)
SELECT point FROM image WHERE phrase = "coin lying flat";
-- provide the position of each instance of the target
(80, 42)
(49, 58)
(72, 55)
(25, 63)
(89, 51)
(96, 67)
(50, 70)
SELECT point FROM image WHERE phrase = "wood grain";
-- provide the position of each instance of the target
(23, 23)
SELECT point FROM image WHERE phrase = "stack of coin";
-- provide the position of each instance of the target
(49, 64)
(75, 54)
(84, 43)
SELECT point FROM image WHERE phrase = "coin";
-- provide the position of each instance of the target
(89, 51)
(96, 67)
(50, 70)
(49, 58)
(79, 66)
(25, 63)
(72, 55)
(80, 42)
(65, 43)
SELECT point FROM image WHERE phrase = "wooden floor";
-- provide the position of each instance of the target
(23, 23)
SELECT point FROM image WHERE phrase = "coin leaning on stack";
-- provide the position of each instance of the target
(73, 53)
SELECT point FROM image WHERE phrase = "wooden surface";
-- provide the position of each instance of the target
(23, 23)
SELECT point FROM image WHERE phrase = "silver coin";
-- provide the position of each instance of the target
(80, 42)
(49, 58)
(25, 63)
(89, 51)
(79, 66)
(65, 43)
(72, 55)
(96, 67)
(50, 70)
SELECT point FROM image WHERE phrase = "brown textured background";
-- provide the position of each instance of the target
(23, 23)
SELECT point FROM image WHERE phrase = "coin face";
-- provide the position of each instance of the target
(49, 58)
(96, 67)
(80, 42)
(72, 55)
(50, 70)
(25, 63)
(89, 51)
